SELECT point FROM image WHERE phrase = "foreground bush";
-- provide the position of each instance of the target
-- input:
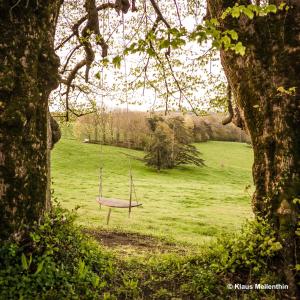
(58, 262)
(243, 259)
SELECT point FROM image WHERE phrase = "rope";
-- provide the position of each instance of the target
(124, 59)
(132, 190)
(100, 183)
(128, 123)
(101, 161)
(125, 76)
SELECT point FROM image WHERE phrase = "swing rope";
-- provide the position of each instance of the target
(101, 165)
(110, 202)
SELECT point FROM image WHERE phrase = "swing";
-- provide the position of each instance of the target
(113, 202)
(117, 203)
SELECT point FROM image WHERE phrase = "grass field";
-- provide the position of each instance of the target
(188, 204)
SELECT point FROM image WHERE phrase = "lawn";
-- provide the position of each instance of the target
(187, 204)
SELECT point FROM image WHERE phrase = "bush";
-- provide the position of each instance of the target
(57, 261)
(245, 258)
(253, 250)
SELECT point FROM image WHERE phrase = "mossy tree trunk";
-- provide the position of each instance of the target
(271, 117)
(28, 73)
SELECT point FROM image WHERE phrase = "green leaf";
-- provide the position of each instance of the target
(249, 13)
(225, 13)
(105, 62)
(272, 8)
(150, 36)
(95, 281)
(296, 201)
(214, 22)
(226, 41)
(82, 270)
(39, 268)
(216, 44)
(292, 90)
(150, 52)
(173, 31)
(235, 12)
(97, 75)
(117, 61)
(30, 261)
(164, 44)
(24, 262)
(282, 5)
(233, 34)
(129, 49)
(176, 43)
(254, 8)
(240, 49)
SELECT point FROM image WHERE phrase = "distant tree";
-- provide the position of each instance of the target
(159, 150)
(181, 132)
(170, 144)
(182, 150)
(115, 127)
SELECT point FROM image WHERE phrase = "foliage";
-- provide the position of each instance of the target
(245, 257)
(130, 129)
(159, 151)
(116, 127)
(252, 10)
(58, 261)
(170, 144)
(252, 249)
(176, 81)
(183, 151)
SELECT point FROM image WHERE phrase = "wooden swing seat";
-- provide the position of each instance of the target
(118, 203)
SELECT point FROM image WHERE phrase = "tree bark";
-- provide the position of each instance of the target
(28, 73)
(272, 118)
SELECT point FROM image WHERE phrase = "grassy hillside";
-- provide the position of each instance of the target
(187, 204)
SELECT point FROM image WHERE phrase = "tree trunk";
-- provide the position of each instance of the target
(28, 73)
(272, 118)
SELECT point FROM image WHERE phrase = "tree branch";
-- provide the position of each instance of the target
(80, 22)
(159, 18)
(159, 14)
(69, 57)
(92, 27)
(179, 87)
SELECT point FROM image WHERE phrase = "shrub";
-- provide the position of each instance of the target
(56, 261)
(252, 250)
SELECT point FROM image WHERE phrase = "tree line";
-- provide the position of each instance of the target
(131, 129)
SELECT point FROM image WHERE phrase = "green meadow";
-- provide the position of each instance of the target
(188, 204)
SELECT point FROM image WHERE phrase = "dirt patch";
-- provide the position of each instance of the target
(127, 242)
